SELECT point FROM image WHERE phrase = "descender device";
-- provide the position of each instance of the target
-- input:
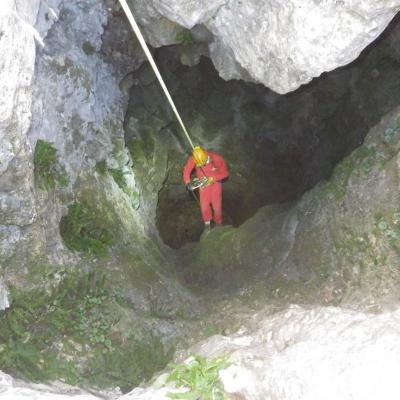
(197, 183)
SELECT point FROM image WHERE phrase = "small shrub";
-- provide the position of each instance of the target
(201, 376)
(48, 173)
(84, 230)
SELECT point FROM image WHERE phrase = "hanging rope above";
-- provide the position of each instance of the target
(153, 64)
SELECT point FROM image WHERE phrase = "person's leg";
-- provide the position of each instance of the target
(205, 204)
(216, 201)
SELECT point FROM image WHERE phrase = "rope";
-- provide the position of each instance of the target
(146, 50)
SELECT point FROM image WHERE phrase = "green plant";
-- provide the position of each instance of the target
(117, 174)
(211, 329)
(88, 48)
(129, 363)
(391, 133)
(84, 230)
(48, 173)
(119, 178)
(67, 332)
(389, 226)
(38, 319)
(200, 376)
(101, 167)
(185, 37)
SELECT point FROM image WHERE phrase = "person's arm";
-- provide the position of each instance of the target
(187, 170)
(221, 169)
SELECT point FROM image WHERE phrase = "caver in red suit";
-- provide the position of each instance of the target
(214, 167)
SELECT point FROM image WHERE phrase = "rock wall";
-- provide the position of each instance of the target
(70, 207)
(78, 107)
(295, 140)
(280, 44)
(302, 353)
(18, 49)
(64, 92)
(339, 243)
(297, 353)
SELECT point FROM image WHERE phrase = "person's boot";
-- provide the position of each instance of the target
(207, 227)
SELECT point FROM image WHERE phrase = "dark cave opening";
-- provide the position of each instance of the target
(276, 146)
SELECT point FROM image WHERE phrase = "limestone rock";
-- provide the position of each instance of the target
(17, 46)
(340, 240)
(279, 44)
(188, 13)
(298, 353)
(159, 31)
(325, 353)
(9, 236)
(78, 107)
(16, 68)
(11, 389)
(322, 352)
(4, 303)
(18, 208)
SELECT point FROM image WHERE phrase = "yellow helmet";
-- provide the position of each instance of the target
(199, 156)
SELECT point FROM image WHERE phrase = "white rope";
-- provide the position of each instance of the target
(146, 50)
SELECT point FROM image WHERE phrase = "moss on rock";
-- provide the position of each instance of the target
(67, 332)
(84, 230)
(88, 48)
(119, 178)
(48, 172)
(340, 241)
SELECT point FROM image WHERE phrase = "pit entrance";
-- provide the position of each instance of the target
(277, 147)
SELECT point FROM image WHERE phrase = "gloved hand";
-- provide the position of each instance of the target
(210, 180)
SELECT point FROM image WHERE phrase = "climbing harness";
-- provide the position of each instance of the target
(146, 50)
(197, 183)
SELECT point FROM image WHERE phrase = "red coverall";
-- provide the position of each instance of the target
(211, 195)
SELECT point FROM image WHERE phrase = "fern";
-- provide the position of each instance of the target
(201, 377)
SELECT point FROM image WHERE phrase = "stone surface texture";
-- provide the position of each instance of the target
(11, 389)
(305, 354)
(18, 49)
(64, 90)
(340, 240)
(66, 78)
(297, 353)
(295, 139)
(4, 302)
(281, 44)
(78, 105)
